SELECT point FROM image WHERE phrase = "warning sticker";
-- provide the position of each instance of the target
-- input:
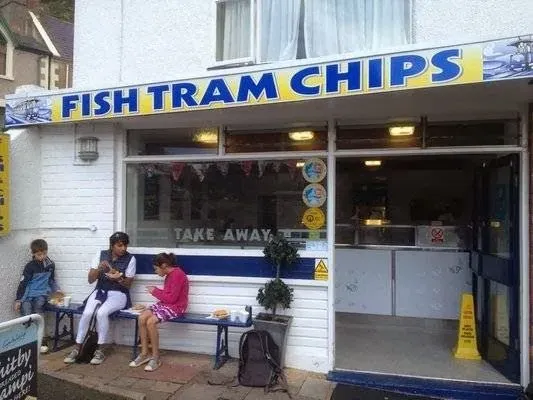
(321, 269)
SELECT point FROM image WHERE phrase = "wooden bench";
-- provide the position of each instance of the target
(221, 350)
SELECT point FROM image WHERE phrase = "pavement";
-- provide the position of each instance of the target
(183, 376)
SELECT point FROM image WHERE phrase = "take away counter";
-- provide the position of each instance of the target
(419, 280)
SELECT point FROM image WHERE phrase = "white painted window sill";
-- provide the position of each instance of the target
(231, 64)
(220, 252)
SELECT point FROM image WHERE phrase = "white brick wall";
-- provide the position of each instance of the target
(74, 197)
(25, 197)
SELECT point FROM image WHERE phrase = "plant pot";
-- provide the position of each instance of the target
(278, 327)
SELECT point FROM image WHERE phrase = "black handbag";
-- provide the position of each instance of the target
(90, 342)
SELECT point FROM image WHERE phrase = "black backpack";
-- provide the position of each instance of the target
(90, 342)
(259, 361)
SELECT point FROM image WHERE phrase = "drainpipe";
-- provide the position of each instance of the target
(49, 71)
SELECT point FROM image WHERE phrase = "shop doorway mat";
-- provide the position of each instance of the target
(431, 388)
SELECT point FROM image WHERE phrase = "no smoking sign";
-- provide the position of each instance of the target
(437, 235)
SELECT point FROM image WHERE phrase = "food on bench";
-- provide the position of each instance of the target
(221, 313)
(56, 298)
(138, 307)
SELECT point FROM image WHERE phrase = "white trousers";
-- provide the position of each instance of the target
(115, 301)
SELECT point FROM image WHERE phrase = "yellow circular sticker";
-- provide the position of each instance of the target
(314, 218)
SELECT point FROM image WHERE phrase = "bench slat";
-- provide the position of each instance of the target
(188, 318)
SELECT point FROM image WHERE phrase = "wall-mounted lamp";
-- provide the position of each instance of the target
(88, 148)
(373, 163)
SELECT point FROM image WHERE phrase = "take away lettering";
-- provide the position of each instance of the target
(230, 235)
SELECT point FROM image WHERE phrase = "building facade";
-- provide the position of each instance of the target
(388, 140)
(35, 49)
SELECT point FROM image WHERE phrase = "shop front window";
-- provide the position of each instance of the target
(303, 139)
(181, 141)
(405, 201)
(226, 203)
(429, 134)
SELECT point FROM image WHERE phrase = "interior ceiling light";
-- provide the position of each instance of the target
(206, 136)
(301, 135)
(373, 163)
(300, 164)
(407, 130)
(374, 222)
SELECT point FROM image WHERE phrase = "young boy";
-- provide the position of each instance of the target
(36, 283)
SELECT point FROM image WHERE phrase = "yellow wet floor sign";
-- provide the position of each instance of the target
(467, 340)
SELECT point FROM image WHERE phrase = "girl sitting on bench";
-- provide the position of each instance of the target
(173, 301)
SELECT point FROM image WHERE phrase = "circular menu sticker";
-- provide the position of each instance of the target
(314, 195)
(313, 218)
(314, 170)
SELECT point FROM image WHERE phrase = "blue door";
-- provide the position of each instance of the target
(495, 263)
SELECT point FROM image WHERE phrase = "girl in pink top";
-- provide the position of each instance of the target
(173, 301)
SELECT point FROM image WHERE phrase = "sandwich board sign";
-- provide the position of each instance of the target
(19, 351)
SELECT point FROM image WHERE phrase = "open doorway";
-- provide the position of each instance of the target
(412, 235)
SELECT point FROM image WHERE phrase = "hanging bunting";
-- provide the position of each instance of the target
(247, 167)
(261, 165)
(176, 170)
(200, 170)
(277, 166)
(149, 170)
(223, 167)
(291, 165)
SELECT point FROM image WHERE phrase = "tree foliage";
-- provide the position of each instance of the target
(281, 254)
(62, 9)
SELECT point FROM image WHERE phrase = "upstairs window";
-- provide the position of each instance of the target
(234, 30)
(3, 55)
(6, 56)
(279, 30)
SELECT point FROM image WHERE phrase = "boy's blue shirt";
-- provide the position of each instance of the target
(38, 279)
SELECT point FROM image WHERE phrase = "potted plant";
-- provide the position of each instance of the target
(275, 294)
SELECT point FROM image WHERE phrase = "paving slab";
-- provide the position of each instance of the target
(153, 395)
(166, 387)
(183, 376)
(259, 394)
(199, 391)
(167, 372)
(315, 388)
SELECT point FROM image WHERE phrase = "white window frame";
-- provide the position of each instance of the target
(252, 59)
(10, 50)
(255, 41)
